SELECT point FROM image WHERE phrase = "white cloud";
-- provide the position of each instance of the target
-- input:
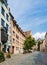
(39, 35)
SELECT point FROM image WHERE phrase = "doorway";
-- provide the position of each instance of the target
(12, 49)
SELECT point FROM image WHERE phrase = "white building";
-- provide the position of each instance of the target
(5, 40)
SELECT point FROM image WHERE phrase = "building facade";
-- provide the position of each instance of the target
(4, 26)
(46, 41)
(28, 33)
(11, 35)
(42, 46)
(17, 38)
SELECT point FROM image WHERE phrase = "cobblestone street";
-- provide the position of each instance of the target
(35, 58)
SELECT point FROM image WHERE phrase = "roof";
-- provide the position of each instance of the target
(18, 27)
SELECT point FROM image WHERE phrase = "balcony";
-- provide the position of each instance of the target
(4, 35)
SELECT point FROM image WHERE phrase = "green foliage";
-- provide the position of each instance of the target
(8, 55)
(29, 42)
(2, 58)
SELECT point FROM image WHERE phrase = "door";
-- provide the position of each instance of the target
(12, 49)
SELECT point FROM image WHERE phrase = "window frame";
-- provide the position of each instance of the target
(3, 11)
(7, 16)
(2, 22)
(7, 26)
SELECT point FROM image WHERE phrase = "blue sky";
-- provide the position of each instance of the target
(30, 14)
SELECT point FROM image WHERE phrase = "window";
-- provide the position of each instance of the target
(13, 40)
(17, 36)
(5, 2)
(7, 16)
(2, 22)
(2, 11)
(7, 26)
(13, 32)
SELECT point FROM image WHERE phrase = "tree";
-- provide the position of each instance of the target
(29, 42)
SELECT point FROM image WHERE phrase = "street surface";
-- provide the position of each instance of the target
(35, 58)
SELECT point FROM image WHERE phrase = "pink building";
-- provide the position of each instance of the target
(42, 46)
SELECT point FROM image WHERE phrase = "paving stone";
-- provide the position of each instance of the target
(36, 58)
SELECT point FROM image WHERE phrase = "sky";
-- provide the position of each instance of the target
(30, 15)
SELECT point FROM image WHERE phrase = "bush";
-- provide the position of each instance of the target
(8, 55)
(2, 58)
